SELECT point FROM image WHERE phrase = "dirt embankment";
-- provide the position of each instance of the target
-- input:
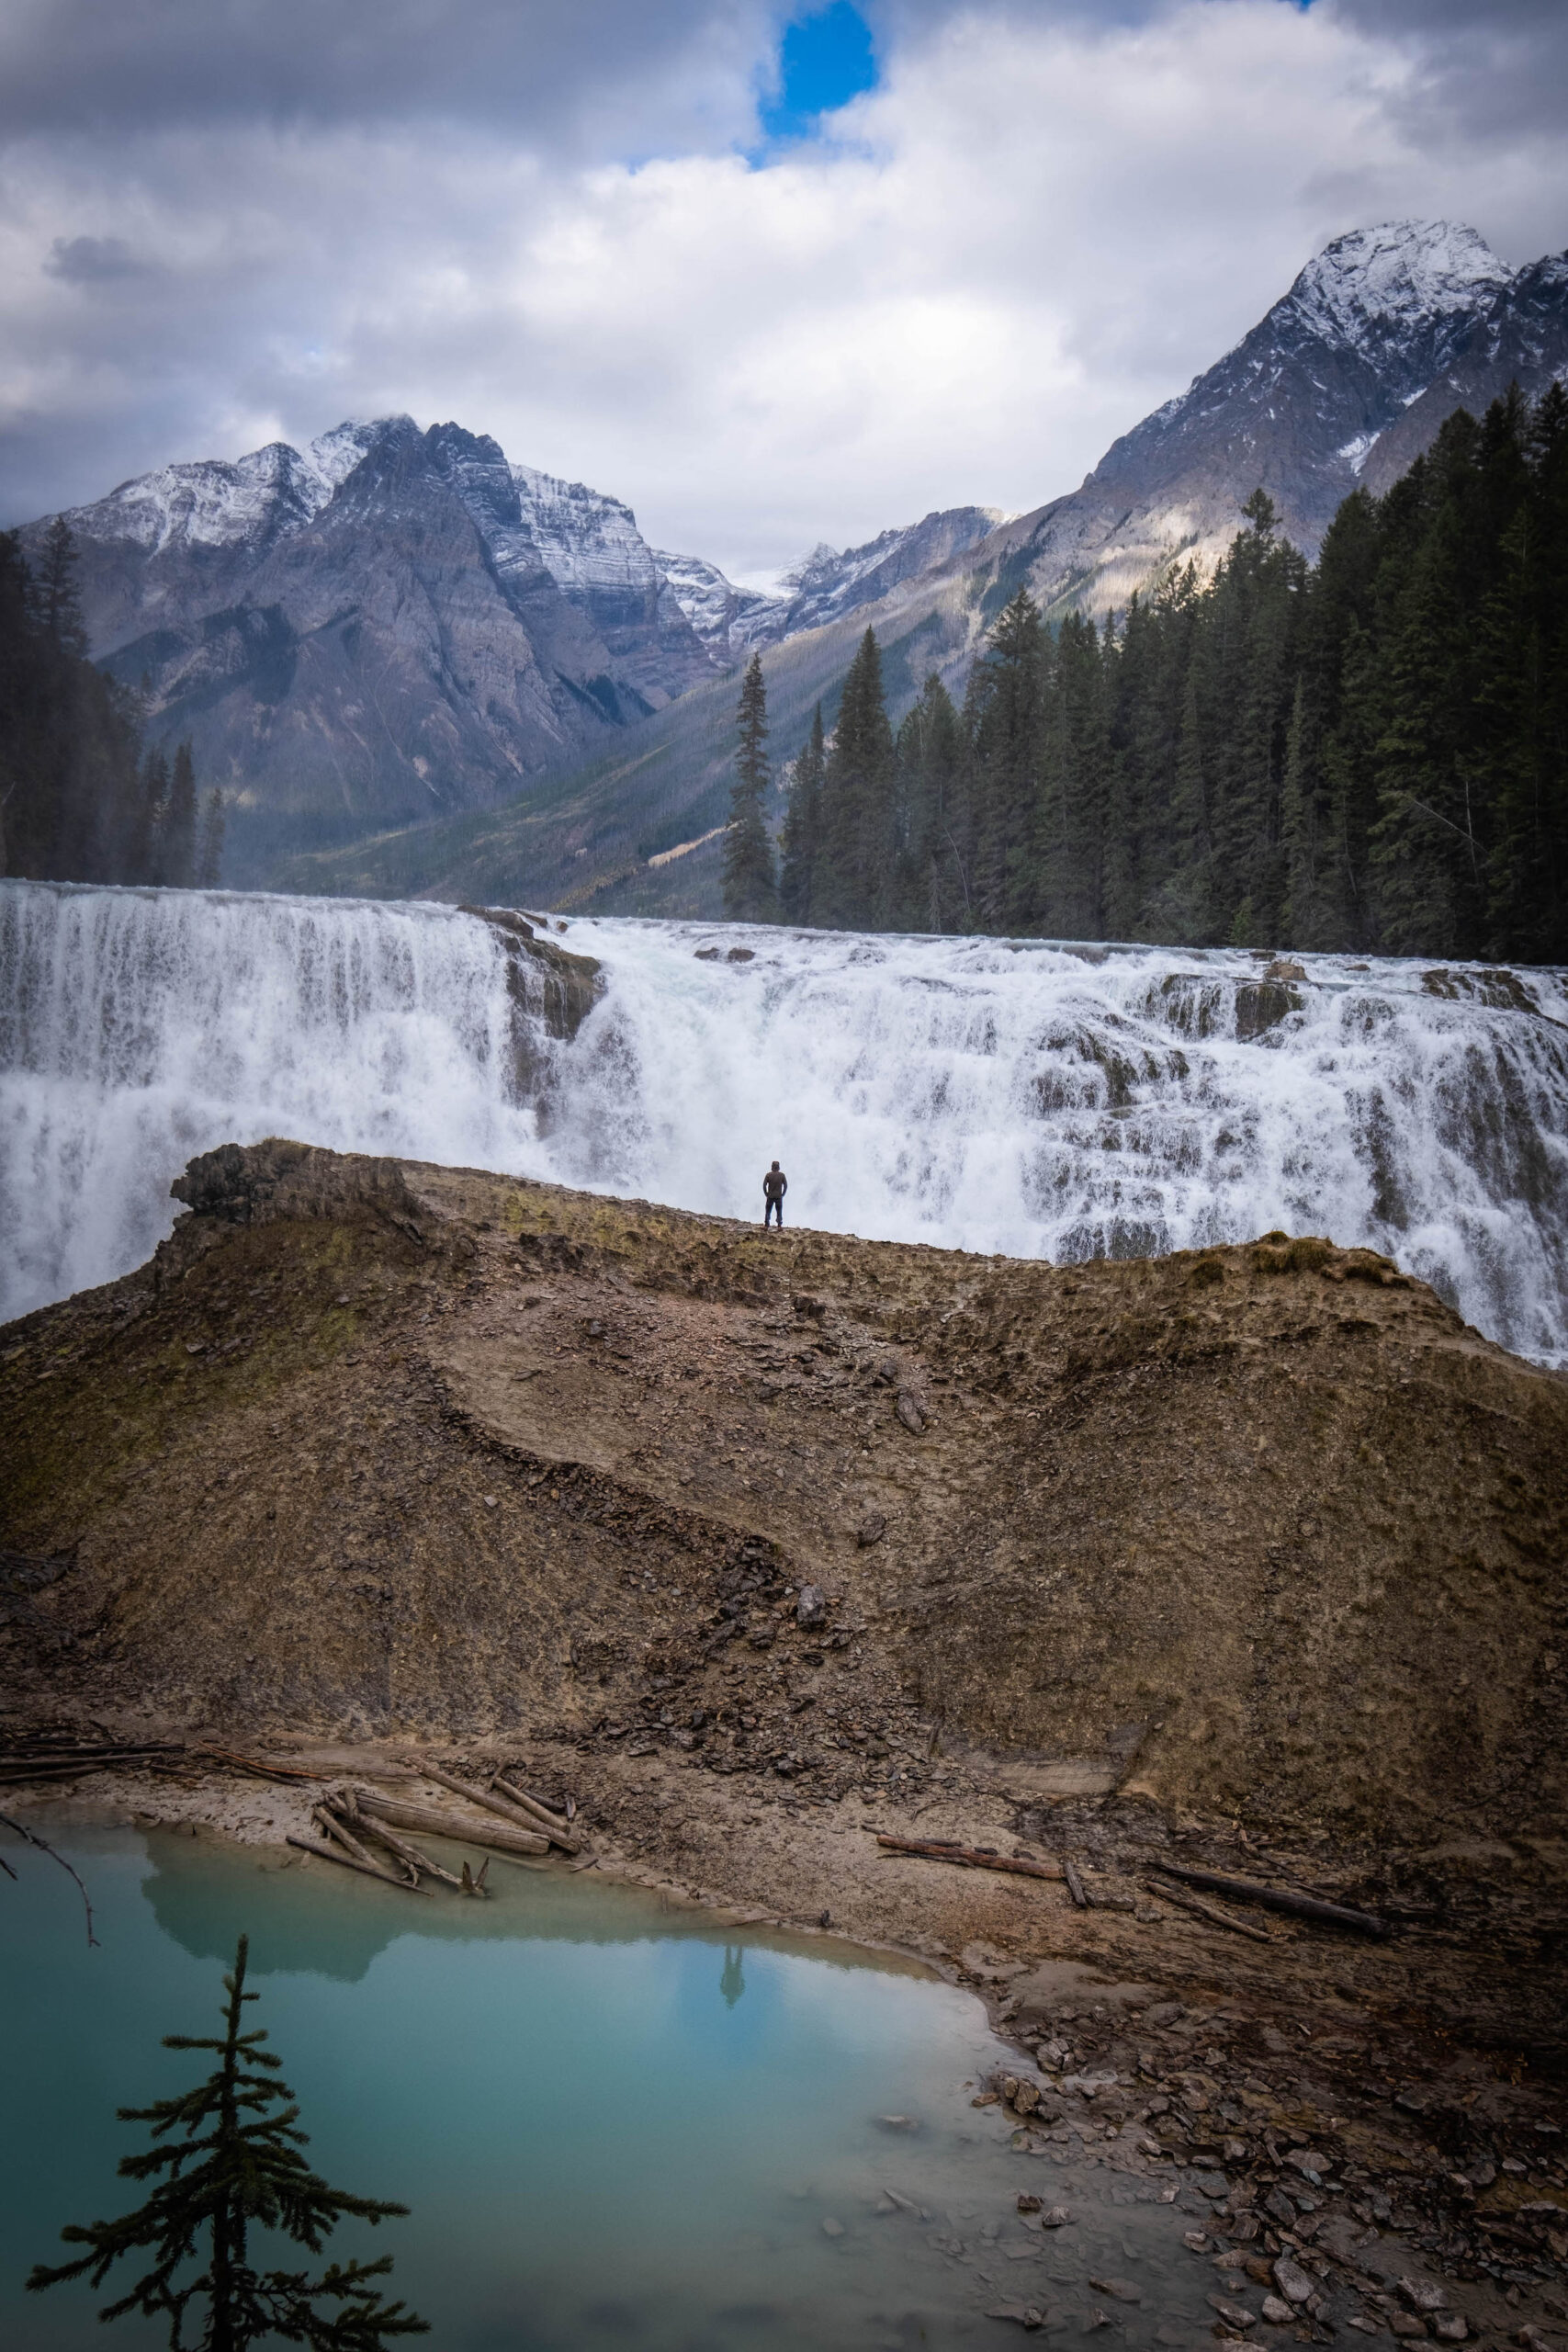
(1250, 1558)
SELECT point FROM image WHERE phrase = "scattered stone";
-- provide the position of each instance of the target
(910, 1413)
(1236, 2315)
(1195, 2240)
(1122, 2288)
(1275, 2312)
(1422, 2295)
(1407, 2324)
(1058, 2218)
(811, 1609)
(872, 1529)
(898, 2123)
(831, 2229)
(1022, 2315)
(1452, 2329)
(1027, 2204)
(1292, 2280)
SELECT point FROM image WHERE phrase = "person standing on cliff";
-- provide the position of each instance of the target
(776, 1184)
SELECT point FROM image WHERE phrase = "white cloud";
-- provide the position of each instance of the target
(1036, 229)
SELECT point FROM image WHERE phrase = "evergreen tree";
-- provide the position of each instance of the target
(209, 858)
(178, 848)
(59, 600)
(73, 785)
(803, 826)
(750, 889)
(236, 2168)
(855, 872)
(1007, 717)
(928, 753)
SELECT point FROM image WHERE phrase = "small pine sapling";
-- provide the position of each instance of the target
(237, 2166)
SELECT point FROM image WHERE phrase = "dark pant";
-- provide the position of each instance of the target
(773, 1209)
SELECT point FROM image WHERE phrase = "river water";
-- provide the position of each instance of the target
(618, 2130)
(1027, 1097)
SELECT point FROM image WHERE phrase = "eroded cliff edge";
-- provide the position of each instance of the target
(1261, 1531)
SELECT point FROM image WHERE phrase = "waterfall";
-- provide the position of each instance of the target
(1020, 1096)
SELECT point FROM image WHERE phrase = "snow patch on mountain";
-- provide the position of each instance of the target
(588, 541)
(208, 502)
(728, 619)
(1400, 276)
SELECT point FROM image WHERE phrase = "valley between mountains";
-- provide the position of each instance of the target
(415, 665)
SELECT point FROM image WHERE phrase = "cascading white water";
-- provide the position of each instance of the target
(1017, 1096)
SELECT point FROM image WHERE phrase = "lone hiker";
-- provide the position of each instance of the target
(776, 1184)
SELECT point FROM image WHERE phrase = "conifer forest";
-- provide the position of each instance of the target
(1369, 753)
(82, 797)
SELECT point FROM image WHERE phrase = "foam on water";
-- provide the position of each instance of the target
(1027, 1097)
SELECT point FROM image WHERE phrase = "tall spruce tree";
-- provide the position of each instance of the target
(856, 863)
(803, 827)
(750, 887)
(179, 854)
(209, 857)
(236, 2168)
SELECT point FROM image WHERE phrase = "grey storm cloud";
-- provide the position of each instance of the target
(550, 72)
(1487, 66)
(223, 221)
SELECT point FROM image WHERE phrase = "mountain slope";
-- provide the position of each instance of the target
(372, 630)
(1346, 378)
(1339, 383)
(826, 585)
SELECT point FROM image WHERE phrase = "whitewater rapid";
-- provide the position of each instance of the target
(1024, 1097)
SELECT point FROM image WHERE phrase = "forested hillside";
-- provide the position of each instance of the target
(80, 800)
(1370, 752)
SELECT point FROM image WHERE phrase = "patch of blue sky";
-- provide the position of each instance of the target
(825, 59)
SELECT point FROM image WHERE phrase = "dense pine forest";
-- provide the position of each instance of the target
(82, 798)
(1368, 753)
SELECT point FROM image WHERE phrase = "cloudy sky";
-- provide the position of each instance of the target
(774, 274)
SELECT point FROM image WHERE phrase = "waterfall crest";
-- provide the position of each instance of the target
(1026, 1097)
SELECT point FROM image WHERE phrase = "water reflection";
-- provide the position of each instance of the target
(595, 2152)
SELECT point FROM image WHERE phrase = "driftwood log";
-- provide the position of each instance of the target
(413, 1856)
(967, 1857)
(526, 1812)
(1202, 1910)
(547, 1819)
(366, 1869)
(1277, 1898)
(327, 1821)
(504, 1836)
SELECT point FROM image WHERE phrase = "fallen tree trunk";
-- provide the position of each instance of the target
(413, 1856)
(550, 1822)
(504, 1836)
(1277, 1898)
(534, 1818)
(327, 1821)
(366, 1869)
(967, 1857)
(1202, 1910)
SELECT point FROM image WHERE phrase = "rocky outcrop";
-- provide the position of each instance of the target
(1264, 1533)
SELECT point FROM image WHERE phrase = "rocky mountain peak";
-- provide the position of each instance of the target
(1390, 281)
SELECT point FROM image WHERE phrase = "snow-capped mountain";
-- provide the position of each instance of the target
(390, 624)
(728, 619)
(1350, 362)
(824, 585)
